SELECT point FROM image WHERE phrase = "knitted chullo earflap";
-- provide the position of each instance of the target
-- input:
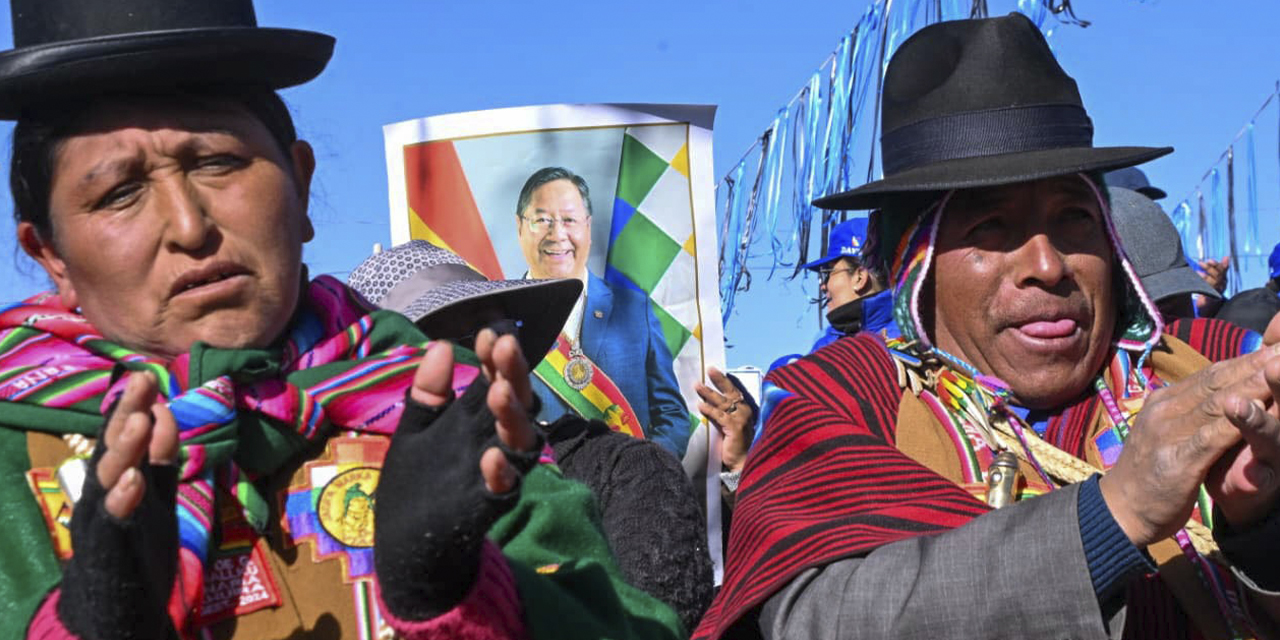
(1139, 326)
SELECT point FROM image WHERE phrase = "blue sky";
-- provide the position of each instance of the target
(1186, 74)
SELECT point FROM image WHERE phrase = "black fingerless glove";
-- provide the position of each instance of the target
(433, 508)
(117, 585)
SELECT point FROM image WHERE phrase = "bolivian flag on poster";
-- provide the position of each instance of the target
(456, 180)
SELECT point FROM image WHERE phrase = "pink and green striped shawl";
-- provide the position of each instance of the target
(242, 413)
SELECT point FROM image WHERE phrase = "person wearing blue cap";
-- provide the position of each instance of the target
(855, 291)
(1254, 308)
(856, 298)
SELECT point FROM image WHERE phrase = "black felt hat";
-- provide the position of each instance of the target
(976, 103)
(65, 49)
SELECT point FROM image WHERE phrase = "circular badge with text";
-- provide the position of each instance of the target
(345, 507)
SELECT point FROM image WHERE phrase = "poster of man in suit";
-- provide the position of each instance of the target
(618, 196)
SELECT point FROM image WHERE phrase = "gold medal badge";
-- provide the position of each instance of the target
(577, 371)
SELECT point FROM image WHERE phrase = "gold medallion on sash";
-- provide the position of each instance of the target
(578, 370)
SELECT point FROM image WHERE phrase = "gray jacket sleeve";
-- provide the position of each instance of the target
(1016, 572)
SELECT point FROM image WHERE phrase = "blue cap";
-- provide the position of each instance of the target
(784, 361)
(1273, 263)
(845, 242)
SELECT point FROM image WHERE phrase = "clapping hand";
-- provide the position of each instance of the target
(1219, 427)
(124, 528)
(453, 468)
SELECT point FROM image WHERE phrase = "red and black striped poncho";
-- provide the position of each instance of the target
(826, 481)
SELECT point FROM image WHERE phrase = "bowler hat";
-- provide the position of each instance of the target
(64, 49)
(977, 103)
(449, 300)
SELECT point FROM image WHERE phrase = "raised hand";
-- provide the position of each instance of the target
(732, 413)
(124, 529)
(138, 427)
(511, 400)
(1181, 433)
(453, 468)
(1215, 272)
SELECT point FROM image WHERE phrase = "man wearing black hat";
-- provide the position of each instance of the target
(950, 483)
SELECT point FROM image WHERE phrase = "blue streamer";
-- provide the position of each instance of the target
(773, 184)
(1181, 217)
(815, 144)
(837, 110)
(956, 9)
(806, 141)
(863, 75)
(1218, 234)
(1034, 9)
(729, 281)
(1233, 270)
(1202, 226)
(901, 24)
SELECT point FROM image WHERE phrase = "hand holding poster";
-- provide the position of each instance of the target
(619, 196)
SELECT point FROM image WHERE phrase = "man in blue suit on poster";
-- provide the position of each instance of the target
(611, 361)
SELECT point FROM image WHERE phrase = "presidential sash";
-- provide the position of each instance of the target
(584, 386)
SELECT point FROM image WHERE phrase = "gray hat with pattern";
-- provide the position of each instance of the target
(449, 300)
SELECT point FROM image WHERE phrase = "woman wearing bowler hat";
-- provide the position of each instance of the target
(196, 440)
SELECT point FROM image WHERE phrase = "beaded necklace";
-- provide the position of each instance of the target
(970, 406)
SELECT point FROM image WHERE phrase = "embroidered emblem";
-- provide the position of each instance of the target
(237, 582)
(346, 506)
(237, 576)
(331, 503)
(54, 506)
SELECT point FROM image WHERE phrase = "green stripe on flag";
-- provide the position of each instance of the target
(672, 330)
(643, 252)
(640, 170)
